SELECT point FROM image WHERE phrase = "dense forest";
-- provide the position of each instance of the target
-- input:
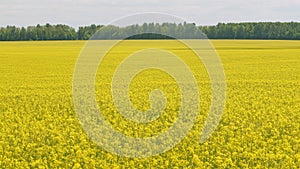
(260, 30)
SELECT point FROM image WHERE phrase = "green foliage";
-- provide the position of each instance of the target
(84, 33)
(45, 32)
(261, 30)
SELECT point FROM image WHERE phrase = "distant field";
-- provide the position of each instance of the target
(259, 128)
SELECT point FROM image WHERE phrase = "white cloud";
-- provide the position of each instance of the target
(79, 12)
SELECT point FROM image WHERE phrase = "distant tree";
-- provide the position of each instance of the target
(261, 30)
(251, 30)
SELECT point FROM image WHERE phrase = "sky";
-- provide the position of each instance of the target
(202, 12)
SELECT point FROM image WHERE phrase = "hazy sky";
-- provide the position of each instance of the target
(85, 12)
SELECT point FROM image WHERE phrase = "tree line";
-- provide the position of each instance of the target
(259, 30)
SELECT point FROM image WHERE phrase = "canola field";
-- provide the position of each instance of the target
(260, 127)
